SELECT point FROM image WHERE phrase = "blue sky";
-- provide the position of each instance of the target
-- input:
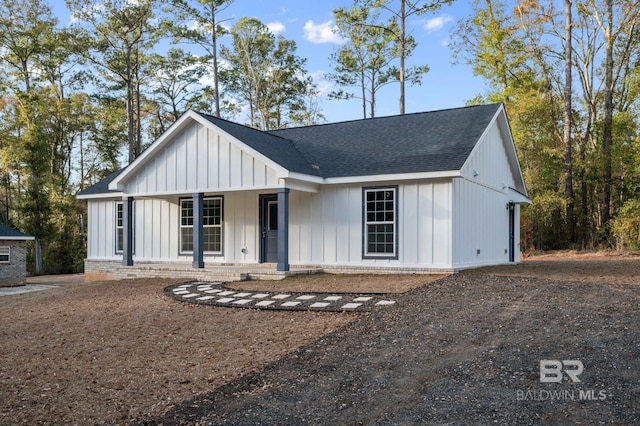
(309, 23)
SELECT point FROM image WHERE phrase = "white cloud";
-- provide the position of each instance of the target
(321, 33)
(324, 86)
(276, 27)
(437, 23)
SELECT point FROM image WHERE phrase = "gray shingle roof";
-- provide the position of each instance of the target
(102, 187)
(9, 232)
(411, 143)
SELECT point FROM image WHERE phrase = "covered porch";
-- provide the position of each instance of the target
(240, 230)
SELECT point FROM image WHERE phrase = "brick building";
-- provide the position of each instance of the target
(13, 255)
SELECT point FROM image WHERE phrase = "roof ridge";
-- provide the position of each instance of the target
(355, 120)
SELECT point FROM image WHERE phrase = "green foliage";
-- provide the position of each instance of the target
(626, 226)
(520, 52)
(265, 73)
(365, 60)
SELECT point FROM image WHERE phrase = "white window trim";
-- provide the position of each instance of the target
(8, 254)
(181, 226)
(119, 204)
(133, 226)
(365, 224)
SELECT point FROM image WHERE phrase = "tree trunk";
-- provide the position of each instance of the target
(38, 257)
(568, 163)
(403, 40)
(607, 129)
(130, 127)
(214, 51)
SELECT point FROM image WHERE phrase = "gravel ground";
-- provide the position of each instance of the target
(464, 349)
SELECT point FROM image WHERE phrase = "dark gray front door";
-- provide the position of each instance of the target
(269, 228)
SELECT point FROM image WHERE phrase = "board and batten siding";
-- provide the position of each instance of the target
(481, 197)
(101, 241)
(199, 159)
(481, 225)
(326, 228)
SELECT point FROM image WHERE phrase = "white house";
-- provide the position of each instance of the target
(433, 191)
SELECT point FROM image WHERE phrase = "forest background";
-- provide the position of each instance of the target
(78, 103)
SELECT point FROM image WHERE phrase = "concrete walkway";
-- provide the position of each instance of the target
(43, 282)
(217, 294)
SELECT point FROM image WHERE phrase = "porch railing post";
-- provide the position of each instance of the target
(198, 230)
(283, 229)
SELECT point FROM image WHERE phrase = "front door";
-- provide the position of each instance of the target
(269, 228)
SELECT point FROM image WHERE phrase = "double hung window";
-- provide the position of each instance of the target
(120, 228)
(380, 222)
(5, 254)
(212, 224)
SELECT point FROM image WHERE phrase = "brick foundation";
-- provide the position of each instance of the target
(100, 270)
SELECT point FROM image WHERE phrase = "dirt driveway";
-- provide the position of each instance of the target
(465, 349)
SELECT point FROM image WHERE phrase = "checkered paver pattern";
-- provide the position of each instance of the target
(217, 294)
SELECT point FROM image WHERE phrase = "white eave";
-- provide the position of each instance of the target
(518, 198)
(17, 238)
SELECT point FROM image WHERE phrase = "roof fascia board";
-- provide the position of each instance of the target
(166, 194)
(500, 119)
(118, 184)
(16, 238)
(280, 171)
(505, 130)
(393, 177)
(105, 195)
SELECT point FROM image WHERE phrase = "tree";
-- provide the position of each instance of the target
(567, 121)
(531, 58)
(364, 61)
(174, 80)
(25, 30)
(401, 11)
(118, 35)
(205, 33)
(265, 73)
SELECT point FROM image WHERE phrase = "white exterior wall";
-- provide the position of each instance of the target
(101, 230)
(481, 195)
(326, 228)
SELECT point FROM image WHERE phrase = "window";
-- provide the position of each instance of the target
(380, 222)
(212, 224)
(5, 254)
(120, 228)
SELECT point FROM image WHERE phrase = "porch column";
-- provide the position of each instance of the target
(127, 232)
(283, 229)
(198, 230)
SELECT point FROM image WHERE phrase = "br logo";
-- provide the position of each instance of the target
(553, 370)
